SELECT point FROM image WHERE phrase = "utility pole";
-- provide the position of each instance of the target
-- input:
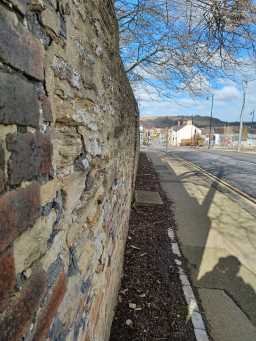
(252, 114)
(167, 139)
(210, 133)
(191, 133)
(245, 83)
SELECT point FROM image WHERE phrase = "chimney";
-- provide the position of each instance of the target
(189, 122)
(179, 123)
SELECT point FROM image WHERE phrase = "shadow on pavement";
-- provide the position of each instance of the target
(212, 266)
(225, 272)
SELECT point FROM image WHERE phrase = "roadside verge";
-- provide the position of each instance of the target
(156, 301)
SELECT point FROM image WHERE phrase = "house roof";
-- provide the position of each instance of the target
(219, 130)
(178, 127)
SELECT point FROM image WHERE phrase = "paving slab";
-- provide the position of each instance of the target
(147, 198)
(226, 320)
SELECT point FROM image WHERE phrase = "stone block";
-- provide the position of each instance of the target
(2, 181)
(50, 20)
(17, 318)
(30, 156)
(19, 48)
(93, 147)
(73, 269)
(57, 248)
(21, 5)
(37, 5)
(2, 169)
(72, 298)
(73, 187)
(47, 109)
(2, 158)
(33, 243)
(54, 270)
(77, 112)
(18, 212)
(93, 213)
(5, 130)
(85, 253)
(7, 274)
(95, 311)
(65, 71)
(51, 308)
(68, 146)
(57, 331)
(48, 191)
(18, 101)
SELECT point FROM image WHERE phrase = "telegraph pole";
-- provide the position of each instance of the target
(245, 83)
(252, 113)
(167, 140)
(210, 133)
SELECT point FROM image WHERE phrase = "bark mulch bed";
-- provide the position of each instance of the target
(151, 305)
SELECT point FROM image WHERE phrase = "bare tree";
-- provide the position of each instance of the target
(180, 43)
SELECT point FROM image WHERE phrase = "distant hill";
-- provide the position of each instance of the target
(169, 121)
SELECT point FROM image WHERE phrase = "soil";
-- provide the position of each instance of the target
(151, 305)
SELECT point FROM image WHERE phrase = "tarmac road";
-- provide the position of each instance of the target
(237, 169)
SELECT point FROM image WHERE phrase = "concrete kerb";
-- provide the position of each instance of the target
(234, 150)
(194, 312)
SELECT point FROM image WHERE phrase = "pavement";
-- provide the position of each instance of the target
(217, 234)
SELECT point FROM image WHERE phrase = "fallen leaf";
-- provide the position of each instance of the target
(132, 305)
(124, 291)
(142, 295)
(129, 322)
(135, 247)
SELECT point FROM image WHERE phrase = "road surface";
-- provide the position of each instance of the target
(237, 169)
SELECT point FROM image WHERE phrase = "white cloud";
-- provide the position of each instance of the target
(227, 103)
(146, 93)
(228, 92)
(227, 98)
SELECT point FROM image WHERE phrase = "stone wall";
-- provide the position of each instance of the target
(68, 150)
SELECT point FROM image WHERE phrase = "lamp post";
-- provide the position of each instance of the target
(244, 83)
(167, 140)
(245, 86)
(210, 133)
(252, 114)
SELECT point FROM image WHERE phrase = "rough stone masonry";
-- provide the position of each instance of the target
(68, 154)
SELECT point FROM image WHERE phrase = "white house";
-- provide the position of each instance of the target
(183, 132)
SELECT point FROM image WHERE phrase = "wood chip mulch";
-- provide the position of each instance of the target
(151, 305)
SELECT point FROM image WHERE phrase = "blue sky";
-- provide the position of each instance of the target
(227, 102)
(227, 92)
